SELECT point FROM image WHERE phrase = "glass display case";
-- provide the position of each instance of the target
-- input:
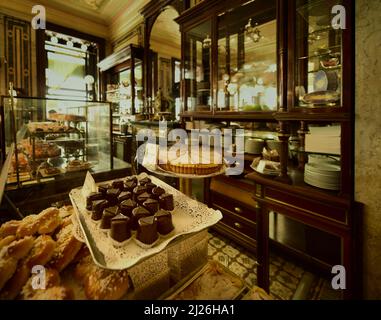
(123, 77)
(318, 55)
(55, 138)
(242, 39)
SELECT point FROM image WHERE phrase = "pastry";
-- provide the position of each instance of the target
(83, 268)
(137, 213)
(54, 293)
(102, 284)
(157, 192)
(48, 220)
(52, 279)
(166, 201)
(108, 214)
(127, 206)
(102, 188)
(66, 249)
(125, 195)
(7, 240)
(150, 186)
(78, 165)
(98, 207)
(143, 197)
(138, 190)
(131, 178)
(147, 230)
(9, 228)
(28, 226)
(92, 197)
(151, 205)
(10, 255)
(144, 181)
(120, 228)
(112, 196)
(164, 222)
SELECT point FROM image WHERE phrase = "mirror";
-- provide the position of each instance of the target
(165, 43)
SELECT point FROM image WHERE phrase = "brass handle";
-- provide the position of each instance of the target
(237, 225)
(238, 209)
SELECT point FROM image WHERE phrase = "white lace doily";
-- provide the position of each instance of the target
(188, 216)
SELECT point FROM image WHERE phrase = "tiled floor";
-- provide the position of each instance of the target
(285, 276)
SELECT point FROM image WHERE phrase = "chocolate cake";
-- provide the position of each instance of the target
(166, 201)
(150, 186)
(138, 191)
(118, 184)
(144, 181)
(137, 213)
(130, 185)
(147, 230)
(107, 215)
(112, 196)
(127, 206)
(125, 195)
(103, 188)
(151, 205)
(143, 197)
(92, 197)
(98, 207)
(120, 228)
(157, 192)
(164, 222)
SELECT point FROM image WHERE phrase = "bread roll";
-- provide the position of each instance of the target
(48, 220)
(9, 228)
(7, 240)
(28, 226)
(52, 279)
(54, 293)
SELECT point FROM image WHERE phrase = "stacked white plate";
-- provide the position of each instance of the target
(322, 175)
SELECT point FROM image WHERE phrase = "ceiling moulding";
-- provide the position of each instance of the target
(135, 34)
(23, 10)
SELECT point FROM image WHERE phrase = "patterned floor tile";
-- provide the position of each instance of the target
(230, 251)
(293, 269)
(279, 290)
(222, 258)
(238, 269)
(287, 279)
(211, 250)
(217, 243)
(273, 269)
(251, 279)
(246, 261)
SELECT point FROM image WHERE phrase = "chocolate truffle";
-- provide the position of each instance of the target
(125, 195)
(130, 185)
(137, 213)
(120, 228)
(138, 191)
(150, 186)
(108, 214)
(143, 197)
(164, 222)
(92, 197)
(127, 206)
(166, 201)
(144, 181)
(157, 192)
(118, 184)
(103, 188)
(112, 196)
(151, 205)
(98, 207)
(147, 230)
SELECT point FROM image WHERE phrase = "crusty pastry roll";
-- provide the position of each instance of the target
(9, 228)
(7, 240)
(28, 226)
(48, 220)
(54, 293)
(52, 279)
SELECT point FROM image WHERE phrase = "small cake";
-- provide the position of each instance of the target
(137, 213)
(144, 181)
(143, 197)
(164, 222)
(98, 207)
(92, 197)
(157, 192)
(150, 187)
(147, 230)
(102, 188)
(107, 215)
(112, 196)
(124, 195)
(151, 205)
(166, 201)
(120, 228)
(138, 191)
(118, 184)
(127, 206)
(130, 185)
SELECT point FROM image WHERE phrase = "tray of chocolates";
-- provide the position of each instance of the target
(126, 220)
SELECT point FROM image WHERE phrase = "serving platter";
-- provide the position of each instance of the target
(188, 216)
